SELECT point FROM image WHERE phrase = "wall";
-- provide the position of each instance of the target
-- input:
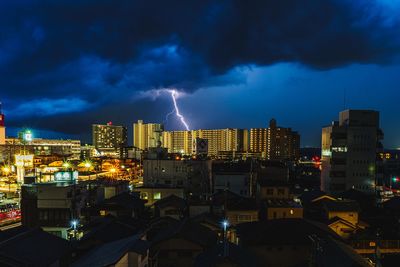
(277, 192)
(241, 216)
(351, 217)
(148, 194)
(284, 212)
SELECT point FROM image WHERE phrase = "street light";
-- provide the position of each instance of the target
(74, 224)
(66, 165)
(225, 225)
(88, 164)
(113, 171)
(6, 170)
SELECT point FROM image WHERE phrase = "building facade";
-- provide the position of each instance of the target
(275, 143)
(52, 206)
(2, 127)
(219, 140)
(109, 139)
(282, 143)
(193, 175)
(258, 140)
(146, 135)
(69, 149)
(349, 152)
(177, 141)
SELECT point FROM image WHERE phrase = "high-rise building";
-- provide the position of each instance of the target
(276, 143)
(258, 140)
(219, 140)
(349, 152)
(146, 135)
(282, 143)
(177, 141)
(2, 127)
(109, 139)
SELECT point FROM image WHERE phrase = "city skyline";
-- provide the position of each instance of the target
(66, 66)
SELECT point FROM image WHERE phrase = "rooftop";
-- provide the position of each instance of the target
(282, 232)
(342, 205)
(31, 247)
(282, 203)
(110, 253)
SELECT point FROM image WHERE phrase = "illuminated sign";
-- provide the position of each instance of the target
(66, 176)
(339, 149)
(326, 153)
(24, 160)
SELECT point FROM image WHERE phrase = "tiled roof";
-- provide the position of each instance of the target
(281, 232)
(342, 205)
(111, 253)
(32, 247)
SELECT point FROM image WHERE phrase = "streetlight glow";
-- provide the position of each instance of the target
(225, 224)
(6, 170)
(66, 165)
(88, 164)
(74, 223)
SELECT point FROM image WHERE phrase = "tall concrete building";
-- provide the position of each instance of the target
(276, 143)
(349, 152)
(258, 141)
(109, 139)
(2, 127)
(146, 135)
(219, 140)
(282, 143)
(177, 141)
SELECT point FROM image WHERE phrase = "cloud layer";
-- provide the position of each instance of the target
(58, 58)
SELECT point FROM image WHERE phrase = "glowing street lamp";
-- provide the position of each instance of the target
(225, 225)
(66, 165)
(74, 225)
(88, 164)
(6, 170)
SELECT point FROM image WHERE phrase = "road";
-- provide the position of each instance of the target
(9, 226)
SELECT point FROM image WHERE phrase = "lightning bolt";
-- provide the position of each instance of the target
(167, 116)
(174, 95)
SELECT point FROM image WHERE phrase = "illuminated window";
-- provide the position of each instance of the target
(144, 195)
(291, 212)
(157, 195)
(339, 149)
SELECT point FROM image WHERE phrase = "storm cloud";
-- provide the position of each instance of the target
(73, 56)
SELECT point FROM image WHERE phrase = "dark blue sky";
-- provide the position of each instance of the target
(67, 64)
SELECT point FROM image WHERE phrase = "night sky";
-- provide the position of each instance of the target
(67, 64)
